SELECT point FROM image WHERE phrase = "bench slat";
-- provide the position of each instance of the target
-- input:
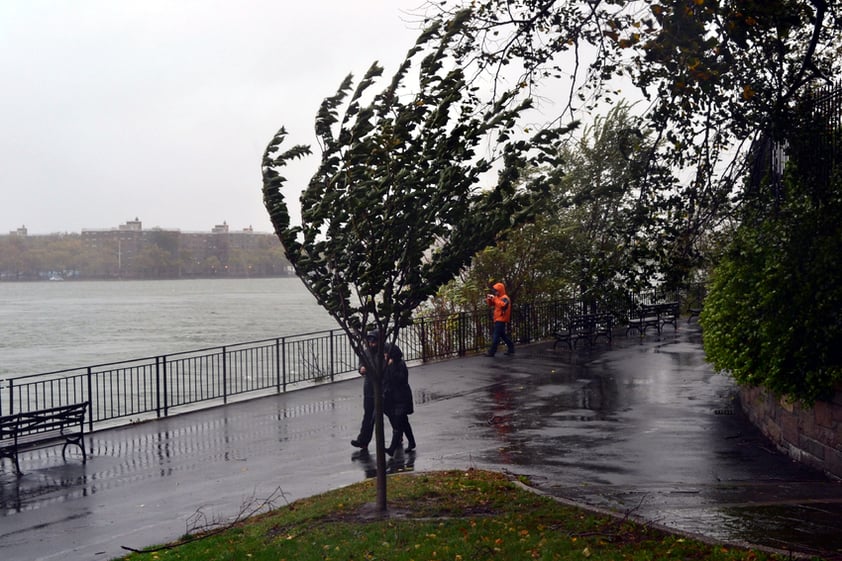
(653, 315)
(31, 429)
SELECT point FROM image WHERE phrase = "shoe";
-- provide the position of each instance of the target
(390, 451)
(410, 448)
(357, 444)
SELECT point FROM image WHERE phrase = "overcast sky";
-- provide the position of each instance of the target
(161, 109)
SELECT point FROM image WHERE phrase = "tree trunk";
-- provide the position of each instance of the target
(380, 444)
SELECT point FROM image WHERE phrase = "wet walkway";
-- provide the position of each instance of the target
(643, 427)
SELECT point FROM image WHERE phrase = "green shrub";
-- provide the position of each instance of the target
(773, 313)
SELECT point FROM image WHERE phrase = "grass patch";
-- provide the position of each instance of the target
(450, 515)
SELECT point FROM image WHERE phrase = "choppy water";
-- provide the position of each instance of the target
(50, 326)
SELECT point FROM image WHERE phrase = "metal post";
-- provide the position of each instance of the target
(424, 341)
(224, 376)
(166, 388)
(158, 387)
(332, 356)
(284, 362)
(278, 365)
(461, 329)
(91, 400)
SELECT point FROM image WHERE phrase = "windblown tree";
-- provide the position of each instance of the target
(407, 191)
(587, 239)
(716, 73)
(598, 205)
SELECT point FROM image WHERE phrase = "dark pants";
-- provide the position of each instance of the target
(367, 425)
(499, 334)
(400, 426)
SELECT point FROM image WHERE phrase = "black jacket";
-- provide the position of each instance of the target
(397, 395)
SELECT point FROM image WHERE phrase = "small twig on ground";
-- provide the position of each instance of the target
(198, 526)
(614, 523)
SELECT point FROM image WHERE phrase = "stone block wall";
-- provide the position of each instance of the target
(812, 436)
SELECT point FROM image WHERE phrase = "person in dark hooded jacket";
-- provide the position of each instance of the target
(397, 399)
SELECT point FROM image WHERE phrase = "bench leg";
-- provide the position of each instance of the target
(14, 459)
(80, 442)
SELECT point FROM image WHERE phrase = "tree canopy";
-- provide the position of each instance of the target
(714, 74)
(413, 181)
(719, 77)
(588, 238)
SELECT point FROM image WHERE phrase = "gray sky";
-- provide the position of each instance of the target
(161, 109)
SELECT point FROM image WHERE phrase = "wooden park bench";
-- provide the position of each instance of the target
(587, 327)
(653, 315)
(35, 429)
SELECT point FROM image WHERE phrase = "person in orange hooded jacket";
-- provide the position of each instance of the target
(502, 315)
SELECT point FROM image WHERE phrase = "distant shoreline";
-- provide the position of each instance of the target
(120, 279)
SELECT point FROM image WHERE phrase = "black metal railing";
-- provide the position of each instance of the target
(152, 386)
(157, 386)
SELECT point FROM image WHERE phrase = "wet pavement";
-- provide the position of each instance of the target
(643, 427)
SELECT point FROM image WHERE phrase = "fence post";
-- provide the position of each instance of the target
(224, 376)
(277, 365)
(12, 396)
(158, 387)
(461, 330)
(284, 361)
(166, 388)
(91, 399)
(424, 340)
(332, 355)
(526, 323)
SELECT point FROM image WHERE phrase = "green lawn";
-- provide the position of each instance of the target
(453, 516)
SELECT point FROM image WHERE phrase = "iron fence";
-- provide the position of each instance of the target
(817, 134)
(158, 386)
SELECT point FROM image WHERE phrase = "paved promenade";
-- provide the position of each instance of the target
(643, 426)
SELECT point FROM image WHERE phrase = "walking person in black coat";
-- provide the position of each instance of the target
(367, 424)
(397, 399)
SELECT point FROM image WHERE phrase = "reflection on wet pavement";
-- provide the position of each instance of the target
(399, 463)
(657, 435)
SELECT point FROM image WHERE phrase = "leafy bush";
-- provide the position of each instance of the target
(772, 314)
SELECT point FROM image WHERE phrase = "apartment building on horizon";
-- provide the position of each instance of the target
(130, 251)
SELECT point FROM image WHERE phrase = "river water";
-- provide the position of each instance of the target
(49, 326)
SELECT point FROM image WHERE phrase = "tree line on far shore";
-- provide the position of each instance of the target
(67, 257)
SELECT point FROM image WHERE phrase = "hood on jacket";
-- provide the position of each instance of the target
(393, 351)
(500, 287)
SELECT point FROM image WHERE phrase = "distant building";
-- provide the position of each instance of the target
(123, 244)
(133, 225)
(174, 253)
(131, 252)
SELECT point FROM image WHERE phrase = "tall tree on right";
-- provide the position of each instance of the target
(716, 74)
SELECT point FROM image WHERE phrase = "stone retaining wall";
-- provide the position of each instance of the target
(812, 436)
